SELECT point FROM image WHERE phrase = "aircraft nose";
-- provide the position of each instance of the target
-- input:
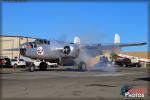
(22, 51)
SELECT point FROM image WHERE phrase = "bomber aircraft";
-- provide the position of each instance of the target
(61, 52)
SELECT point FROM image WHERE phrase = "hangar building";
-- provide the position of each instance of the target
(7, 42)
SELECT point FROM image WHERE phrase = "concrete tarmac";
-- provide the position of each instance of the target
(71, 84)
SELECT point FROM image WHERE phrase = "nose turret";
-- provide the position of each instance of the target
(26, 49)
(23, 48)
(23, 51)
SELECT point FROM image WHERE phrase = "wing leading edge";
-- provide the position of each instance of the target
(111, 46)
(131, 44)
(96, 49)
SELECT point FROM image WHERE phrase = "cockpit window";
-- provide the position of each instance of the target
(38, 41)
(29, 45)
(34, 44)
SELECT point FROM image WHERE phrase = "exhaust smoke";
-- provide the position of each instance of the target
(95, 63)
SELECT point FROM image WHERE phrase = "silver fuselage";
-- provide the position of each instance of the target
(54, 50)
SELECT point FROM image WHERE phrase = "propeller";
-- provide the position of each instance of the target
(66, 50)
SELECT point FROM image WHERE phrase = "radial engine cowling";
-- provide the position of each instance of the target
(71, 50)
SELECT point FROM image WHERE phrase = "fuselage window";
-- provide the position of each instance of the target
(42, 42)
(99, 44)
(48, 42)
(45, 42)
(35, 45)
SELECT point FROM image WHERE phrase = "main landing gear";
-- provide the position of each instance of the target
(82, 66)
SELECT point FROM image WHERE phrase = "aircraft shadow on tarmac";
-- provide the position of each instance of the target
(103, 85)
(144, 78)
(77, 70)
(67, 69)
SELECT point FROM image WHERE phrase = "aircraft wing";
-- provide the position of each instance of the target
(111, 46)
(131, 44)
(97, 49)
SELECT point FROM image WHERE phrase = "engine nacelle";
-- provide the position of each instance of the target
(71, 50)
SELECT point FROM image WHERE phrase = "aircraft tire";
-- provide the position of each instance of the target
(137, 65)
(82, 66)
(43, 66)
(31, 68)
(15, 65)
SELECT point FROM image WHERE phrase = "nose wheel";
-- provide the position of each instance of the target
(31, 68)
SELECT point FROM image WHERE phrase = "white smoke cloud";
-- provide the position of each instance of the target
(94, 63)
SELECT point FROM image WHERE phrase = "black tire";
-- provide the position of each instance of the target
(138, 65)
(123, 65)
(31, 68)
(126, 65)
(43, 66)
(15, 66)
(56, 66)
(82, 66)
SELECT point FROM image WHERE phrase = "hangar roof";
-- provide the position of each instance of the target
(14, 36)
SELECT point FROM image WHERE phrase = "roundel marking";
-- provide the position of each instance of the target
(40, 51)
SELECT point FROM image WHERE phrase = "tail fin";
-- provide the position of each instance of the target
(117, 38)
(117, 41)
(76, 40)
